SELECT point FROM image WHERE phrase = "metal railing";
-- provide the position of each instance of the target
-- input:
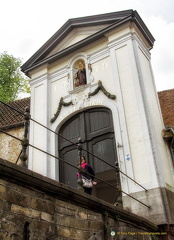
(25, 143)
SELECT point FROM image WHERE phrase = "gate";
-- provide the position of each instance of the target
(95, 127)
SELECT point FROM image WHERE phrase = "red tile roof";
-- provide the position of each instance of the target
(9, 118)
(166, 99)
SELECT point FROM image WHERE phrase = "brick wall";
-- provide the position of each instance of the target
(166, 99)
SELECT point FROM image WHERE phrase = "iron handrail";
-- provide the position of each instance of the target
(76, 145)
(73, 166)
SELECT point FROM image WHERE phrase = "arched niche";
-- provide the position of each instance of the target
(79, 73)
(79, 69)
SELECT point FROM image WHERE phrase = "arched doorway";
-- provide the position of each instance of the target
(95, 127)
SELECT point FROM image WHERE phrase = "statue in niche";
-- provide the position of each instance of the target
(80, 75)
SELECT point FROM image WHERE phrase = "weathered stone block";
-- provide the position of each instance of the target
(9, 236)
(2, 192)
(72, 234)
(66, 205)
(8, 193)
(37, 224)
(11, 228)
(47, 217)
(95, 216)
(71, 221)
(65, 211)
(83, 215)
(42, 205)
(64, 232)
(5, 205)
(25, 211)
(96, 225)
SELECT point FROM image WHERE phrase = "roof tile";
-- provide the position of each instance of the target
(166, 99)
(9, 117)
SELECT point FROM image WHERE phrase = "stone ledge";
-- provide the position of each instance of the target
(25, 177)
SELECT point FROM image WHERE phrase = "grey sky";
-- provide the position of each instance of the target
(27, 25)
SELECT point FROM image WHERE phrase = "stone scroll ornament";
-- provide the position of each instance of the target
(61, 103)
(101, 87)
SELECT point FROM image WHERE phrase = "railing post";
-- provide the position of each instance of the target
(118, 198)
(25, 141)
(79, 147)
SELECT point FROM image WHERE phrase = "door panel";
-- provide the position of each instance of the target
(68, 174)
(103, 147)
(95, 127)
(71, 130)
(98, 122)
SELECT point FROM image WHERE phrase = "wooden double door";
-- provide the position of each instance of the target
(95, 128)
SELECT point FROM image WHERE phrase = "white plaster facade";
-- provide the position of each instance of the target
(122, 61)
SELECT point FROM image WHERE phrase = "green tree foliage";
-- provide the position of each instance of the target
(12, 80)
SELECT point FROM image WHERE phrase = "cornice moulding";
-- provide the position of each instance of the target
(114, 19)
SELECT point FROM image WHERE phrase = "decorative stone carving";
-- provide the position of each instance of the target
(81, 98)
(61, 103)
(101, 87)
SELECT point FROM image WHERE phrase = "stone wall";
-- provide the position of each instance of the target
(9, 147)
(33, 207)
(161, 204)
(45, 217)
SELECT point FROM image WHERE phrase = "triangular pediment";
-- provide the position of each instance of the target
(75, 36)
(78, 32)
